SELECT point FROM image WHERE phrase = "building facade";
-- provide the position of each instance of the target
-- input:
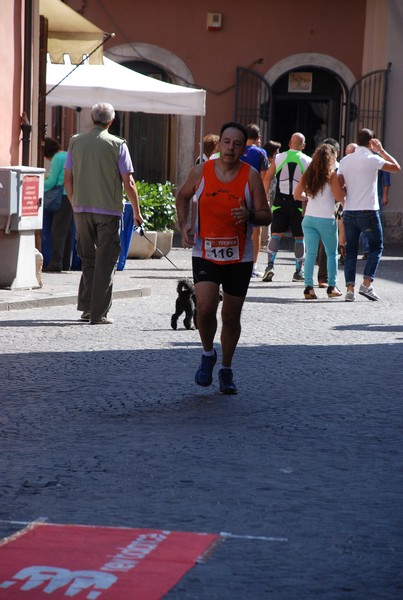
(319, 68)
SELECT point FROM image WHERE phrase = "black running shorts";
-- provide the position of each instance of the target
(287, 214)
(233, 278)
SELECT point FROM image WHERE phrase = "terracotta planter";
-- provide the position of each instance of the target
(164, 243)
(142, 247)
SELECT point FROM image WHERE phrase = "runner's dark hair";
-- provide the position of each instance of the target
(234, 125)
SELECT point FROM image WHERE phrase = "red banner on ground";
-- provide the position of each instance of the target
(58, 562)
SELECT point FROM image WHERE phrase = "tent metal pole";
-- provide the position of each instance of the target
(201, 137)
(27, 84)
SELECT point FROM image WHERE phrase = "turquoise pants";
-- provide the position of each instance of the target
(316, 229)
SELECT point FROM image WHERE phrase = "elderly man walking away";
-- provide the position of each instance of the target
(97, 163)
(358, 172)
(288, 168)
(230, 200)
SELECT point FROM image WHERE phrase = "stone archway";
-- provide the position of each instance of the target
(311, 59)
(179, 73)
(327, 101)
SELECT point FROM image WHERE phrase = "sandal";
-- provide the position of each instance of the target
(333, 292)
(309, 293)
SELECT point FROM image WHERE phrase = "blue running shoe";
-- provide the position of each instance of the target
(204, 374)
(225, 379)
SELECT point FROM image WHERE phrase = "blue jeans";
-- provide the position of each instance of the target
(316, 229)
(369, 222)
(363, 237)
(364, 243)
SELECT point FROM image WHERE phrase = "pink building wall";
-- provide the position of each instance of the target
(271, 31)
(260, 38)
(10, 81)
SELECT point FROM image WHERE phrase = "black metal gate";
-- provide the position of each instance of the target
(252, 100)
(366, 105)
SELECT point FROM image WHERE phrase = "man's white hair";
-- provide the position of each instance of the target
(103, 113)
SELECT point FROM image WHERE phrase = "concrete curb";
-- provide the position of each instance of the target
(62, 300)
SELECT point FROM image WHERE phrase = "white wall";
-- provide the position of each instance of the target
(383, 44)
(394, 119)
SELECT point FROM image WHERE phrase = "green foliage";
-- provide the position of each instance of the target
(157, 205)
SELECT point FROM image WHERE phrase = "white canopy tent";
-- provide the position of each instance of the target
(125, 89)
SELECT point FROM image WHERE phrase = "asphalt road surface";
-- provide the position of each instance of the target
(302, 470)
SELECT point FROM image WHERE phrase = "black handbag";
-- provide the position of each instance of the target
(53, 198)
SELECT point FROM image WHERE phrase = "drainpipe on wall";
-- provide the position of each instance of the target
(27, 84)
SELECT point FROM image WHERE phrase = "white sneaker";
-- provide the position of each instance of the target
(350, 296)
(368, 292)
(257, 273)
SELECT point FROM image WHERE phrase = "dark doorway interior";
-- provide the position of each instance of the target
(147, 135)
(315, 114)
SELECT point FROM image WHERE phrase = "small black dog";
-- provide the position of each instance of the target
(185, 303)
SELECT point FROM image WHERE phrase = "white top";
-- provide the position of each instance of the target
(322, 205)
(293, 163)
(360, 172)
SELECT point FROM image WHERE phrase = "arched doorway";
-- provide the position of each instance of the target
(315, 94)
(179, 142)
(148, 135)
(325, 70)
(308, 100)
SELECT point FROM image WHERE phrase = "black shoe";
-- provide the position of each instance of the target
(298, 276)
(268, 275)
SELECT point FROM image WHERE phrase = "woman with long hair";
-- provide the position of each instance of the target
(319, 187)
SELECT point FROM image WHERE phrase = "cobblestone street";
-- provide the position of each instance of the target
(302, 470)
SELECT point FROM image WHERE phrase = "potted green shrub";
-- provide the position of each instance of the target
(157, 203)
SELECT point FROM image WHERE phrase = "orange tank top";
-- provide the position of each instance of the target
(217, 237)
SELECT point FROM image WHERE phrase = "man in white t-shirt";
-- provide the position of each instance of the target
(358, 172)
